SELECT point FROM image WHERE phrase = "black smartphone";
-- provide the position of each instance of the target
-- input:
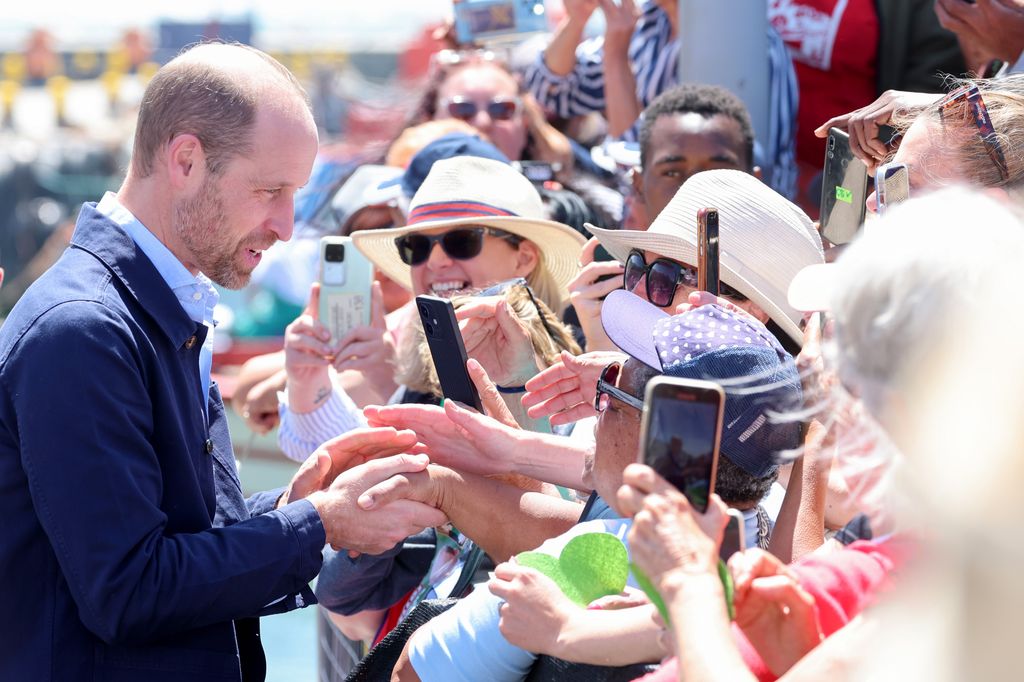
(707, 250)
(735, 537)
(447, 350)
(680, 434)
(844, 190)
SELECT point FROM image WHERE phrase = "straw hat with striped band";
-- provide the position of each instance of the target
(469, 190)
(764, 240)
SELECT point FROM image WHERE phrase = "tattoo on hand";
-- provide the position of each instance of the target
(322, 394)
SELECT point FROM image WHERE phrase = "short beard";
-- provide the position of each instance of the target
(199, 223)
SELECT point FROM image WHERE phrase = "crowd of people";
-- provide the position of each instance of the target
(869, 446)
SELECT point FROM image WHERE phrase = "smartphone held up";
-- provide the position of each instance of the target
(844, 190)
(707, 250)
(681, 432)
(447, 349)
(346, 283)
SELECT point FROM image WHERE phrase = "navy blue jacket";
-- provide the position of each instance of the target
(127, 549)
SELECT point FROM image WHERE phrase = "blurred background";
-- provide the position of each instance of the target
(71, 77)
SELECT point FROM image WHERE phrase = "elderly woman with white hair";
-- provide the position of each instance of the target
(923, 341)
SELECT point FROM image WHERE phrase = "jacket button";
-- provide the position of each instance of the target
(191, 342)
(209, 446)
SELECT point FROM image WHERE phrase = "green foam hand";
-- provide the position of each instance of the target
(652, 592)
(591, 565)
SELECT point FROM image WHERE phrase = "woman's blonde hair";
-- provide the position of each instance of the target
(1004, 99)
(547, 333)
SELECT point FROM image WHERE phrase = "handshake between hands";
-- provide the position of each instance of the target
(335, 476)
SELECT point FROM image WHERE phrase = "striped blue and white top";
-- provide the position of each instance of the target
(654, 55)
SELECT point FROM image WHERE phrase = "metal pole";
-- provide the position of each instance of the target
(725, 42)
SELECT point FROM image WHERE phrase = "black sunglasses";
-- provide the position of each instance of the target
(499, 108)
(663, 277)
(462, 243)
(606, 390)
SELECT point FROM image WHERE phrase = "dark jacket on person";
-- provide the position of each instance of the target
(128, 550)
(914, 51)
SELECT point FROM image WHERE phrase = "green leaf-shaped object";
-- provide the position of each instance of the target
(591, 565)
(728, 587)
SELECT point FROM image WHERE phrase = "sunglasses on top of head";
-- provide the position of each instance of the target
(461, 243)
(499, 108)
(663, 277)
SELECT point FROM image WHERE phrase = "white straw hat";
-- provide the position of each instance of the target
(764, 240)
(469, 190)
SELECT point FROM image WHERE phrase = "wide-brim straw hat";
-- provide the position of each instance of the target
(469, 190)
(764, 239)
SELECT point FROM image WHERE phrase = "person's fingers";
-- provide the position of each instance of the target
(313, 307)
(587, 253)
(592, 271)
(470, 422)
(366, 439)
(377, 312)
(645, 479)
(310, 346)
(494, 405)
(568, 387)
(358, 349)
(597, 290)
(307, 326)
(782, 591)
(381, 469)
(485, 307)
(390, 490)
(573, 414)
(553, 374)
(510, 324)
(630, 499)
(835, 122)
(507, 570)
(561, 402)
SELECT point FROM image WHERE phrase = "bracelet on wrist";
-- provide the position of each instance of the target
(511, 389)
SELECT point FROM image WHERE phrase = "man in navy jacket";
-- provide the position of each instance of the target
(128, 551)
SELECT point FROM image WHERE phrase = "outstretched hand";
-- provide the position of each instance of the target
(565, 391)
(342, 453)
(454, 436)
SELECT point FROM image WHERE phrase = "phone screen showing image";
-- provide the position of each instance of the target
(681, 438)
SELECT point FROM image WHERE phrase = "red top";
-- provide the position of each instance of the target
(842, 583)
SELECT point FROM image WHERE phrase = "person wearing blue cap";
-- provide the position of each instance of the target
(735, 350)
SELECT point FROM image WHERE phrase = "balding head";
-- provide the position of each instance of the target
(212, 91)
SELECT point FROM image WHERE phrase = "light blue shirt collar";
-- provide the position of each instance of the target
(195, 293)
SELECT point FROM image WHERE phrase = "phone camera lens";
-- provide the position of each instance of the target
(831, 143)
(424, 311)
(428, 328)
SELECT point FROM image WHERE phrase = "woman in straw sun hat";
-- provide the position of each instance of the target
(472, 223)
(764, 240)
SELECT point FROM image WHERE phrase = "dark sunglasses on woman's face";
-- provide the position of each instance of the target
(499, 108)
(663, 277)
(461, 243)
